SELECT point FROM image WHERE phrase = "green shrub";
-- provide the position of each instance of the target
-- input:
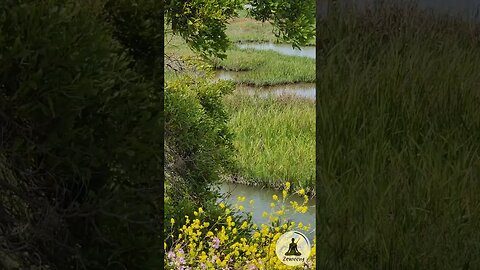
(198, 142)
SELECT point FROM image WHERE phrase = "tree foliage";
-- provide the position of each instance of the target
(293, 20)
(202, 23)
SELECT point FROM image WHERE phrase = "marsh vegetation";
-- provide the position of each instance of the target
(399, 141)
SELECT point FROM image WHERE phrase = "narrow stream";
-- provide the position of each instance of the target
(262, 198)
(303, 90)
(306, 51)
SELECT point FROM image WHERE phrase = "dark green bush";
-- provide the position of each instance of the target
(80, 140)
(138, 26)
(198, 142)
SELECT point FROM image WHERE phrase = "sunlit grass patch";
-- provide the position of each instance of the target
(275, 138)
(268, 67)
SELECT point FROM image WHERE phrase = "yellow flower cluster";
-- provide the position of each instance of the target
(228, 245)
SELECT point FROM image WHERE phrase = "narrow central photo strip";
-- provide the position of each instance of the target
(240, 135)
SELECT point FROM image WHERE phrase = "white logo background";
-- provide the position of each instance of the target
(303, 246)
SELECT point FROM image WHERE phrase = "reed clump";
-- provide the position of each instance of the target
(275, 139)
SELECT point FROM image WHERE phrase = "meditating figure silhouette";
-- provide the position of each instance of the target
(292, 249)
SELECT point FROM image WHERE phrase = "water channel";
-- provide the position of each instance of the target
(262, 198)
(300, 90)
(306, 51)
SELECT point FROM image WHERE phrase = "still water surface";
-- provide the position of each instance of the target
(303, 90)
(262, 198)
(305, 51)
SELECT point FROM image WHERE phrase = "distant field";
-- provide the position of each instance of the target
(244, 29)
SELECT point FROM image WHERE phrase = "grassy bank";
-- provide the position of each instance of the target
(275, 138)
(399, 133)
(264, 68)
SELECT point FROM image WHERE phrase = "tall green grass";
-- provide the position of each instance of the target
(275, 139)
(399, 142)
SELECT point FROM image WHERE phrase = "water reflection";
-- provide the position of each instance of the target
(303, 90)
(306, 51)
(262, 198)
(226, 75)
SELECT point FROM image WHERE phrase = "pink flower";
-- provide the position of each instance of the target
(181, 260)
(216, 242)
(171, 255)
